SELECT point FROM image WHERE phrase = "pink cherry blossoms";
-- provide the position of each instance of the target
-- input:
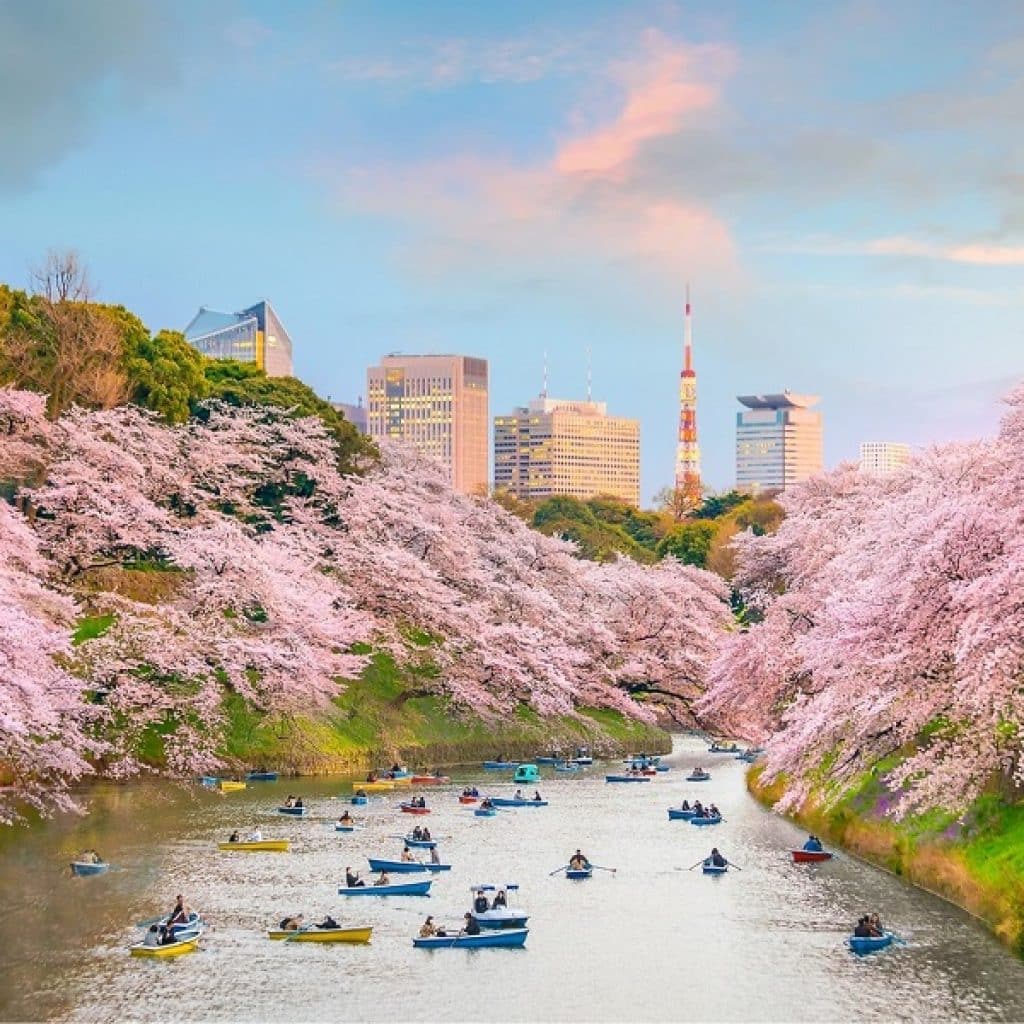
(893, 624)
(258, 570)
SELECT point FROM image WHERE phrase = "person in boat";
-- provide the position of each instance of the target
(298, 802)
(426, 835)
(328, 922)
(813, 845)
(579, 861)
(168, 937)
(472, 925)
(875, 924)
(501, 900)
(361, 792)
(290, 802)
(685, 806)
(485, 804)
(255, 836)
(395, 769)
(90, 856)
(179, 915)
(519, 794)
(417, 834)
(698, 809)
(474, 791)
(345, 819)
(500, 759)
(714, 812)
(291, 924)
(234, 837)
(863, 929)
(383, 879)
(352, 879)
(427, 929)
(717, 860)
(154, 937)
(371, 776)
(480, 904)
(435, 857)
(536, 797)
(406, 855)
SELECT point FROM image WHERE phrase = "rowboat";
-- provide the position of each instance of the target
(677, 814)
(388, 773)
(88, 867)
(295, 812)
(526, 773)
(359, 801)
(209, 780)
(421, 844)
(747, 756)
(188, 945)
(262, 776)
(570, 766)
(627, 778)
(275, 845)
(430, 780)
(384, 786)
(485, 812)
(503, 937)
(578, 874)
(468, 799)
(192, 924)
(869, 943)
(314, 934)
(583, 761)
(714, 869)
(548, 760)
(705, 820)
(719, 748)
(228, 786)
(405, 867)
(499, 917)
(662, 767)
(410, 809)
(698, 777)
(810, 856)
(511, 801)
(345, 828)
(500, 766)
(397, 889)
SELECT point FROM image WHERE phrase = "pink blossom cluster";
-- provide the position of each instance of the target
(893, 626)
(274, 572)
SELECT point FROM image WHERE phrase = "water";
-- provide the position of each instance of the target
(652, 942)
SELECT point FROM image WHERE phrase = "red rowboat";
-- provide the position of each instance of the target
(810, 856)
(468, 799)
(429, 780)
(409, 809)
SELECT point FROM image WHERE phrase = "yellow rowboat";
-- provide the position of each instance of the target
(377, 787)
(227, 786)
(275, 845)
(171, 949)
(324, 935)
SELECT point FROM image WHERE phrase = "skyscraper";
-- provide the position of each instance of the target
(438, 403)
(558, 447)
(883, 456)
(778, 441)
(688, 486)
(255, 335)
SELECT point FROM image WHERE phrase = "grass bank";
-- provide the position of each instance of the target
(975, 860)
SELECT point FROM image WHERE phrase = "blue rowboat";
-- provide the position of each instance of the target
(706, 821)
(500, 766)
(345, 828)
(627, 778)
(360, 800)
(210, 780)
(86, 867)
(676, 814)
(578, 874)
(547, 760)
(397, 889)
(662, 767)
(420, 844)
(509, 801)
(719, 748)
(295, 812)
(404, 867)
(702, 777)
(869, 943)
(485, 812)
(714, 869)
(571, 766)
(262, 777)
(500, 937)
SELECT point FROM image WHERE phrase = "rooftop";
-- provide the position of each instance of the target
(786, 400)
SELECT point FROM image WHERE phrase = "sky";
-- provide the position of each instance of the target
(841, 184)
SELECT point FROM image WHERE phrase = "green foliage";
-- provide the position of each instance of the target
(598, 526)
(165, 373)
(91, 628)
(244, 384)
(690, 542)
(717, 505)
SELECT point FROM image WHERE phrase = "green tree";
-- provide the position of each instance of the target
(690, 542)
(166, 374)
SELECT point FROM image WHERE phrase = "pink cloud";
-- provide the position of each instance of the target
(984, 254)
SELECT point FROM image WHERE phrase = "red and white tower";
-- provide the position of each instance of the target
(688, 488)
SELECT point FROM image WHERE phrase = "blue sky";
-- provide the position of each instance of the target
(842, 184)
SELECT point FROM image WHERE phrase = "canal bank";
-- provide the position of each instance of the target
(975, 861)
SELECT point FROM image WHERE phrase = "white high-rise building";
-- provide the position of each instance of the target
(778, 441)
(883, 456)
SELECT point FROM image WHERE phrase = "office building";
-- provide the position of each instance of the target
(778, 441)
(883, 456)
(355, 414)
(555, 447)
(438, 403)
(254, 335)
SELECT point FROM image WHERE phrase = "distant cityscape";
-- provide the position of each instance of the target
(549, 446)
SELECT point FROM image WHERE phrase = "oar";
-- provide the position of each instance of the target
(599, 868)
(299, 931)
(898, 939)
(733, 865)
(698, 864)
(555, 872)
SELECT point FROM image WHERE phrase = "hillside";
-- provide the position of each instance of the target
(174, 595)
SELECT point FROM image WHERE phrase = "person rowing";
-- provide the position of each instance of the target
(485, 804)
(427, 929)
(90, 856)
(472, 925)
(361, 792)
(813, 844)
(579, 861)
(292, 923)
(255, 836)
(716, 859)
(290, 802)
(382, 879)
(327, 922)
(536, 797)
(407, 857)
(179, 915)
(345, 819)
(234, 837)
